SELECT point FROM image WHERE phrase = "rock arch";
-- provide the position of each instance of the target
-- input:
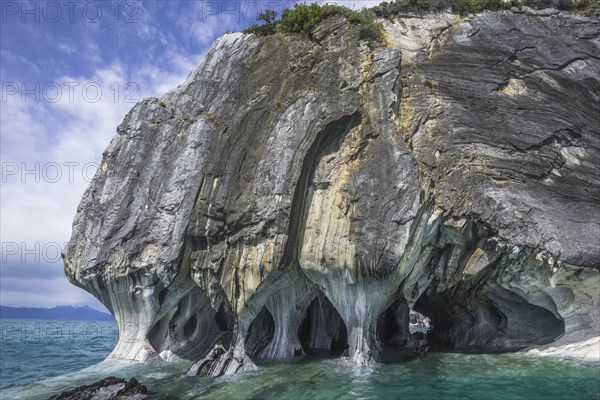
(192, 327)
(260, 333)
(393, 325)
(322, 328)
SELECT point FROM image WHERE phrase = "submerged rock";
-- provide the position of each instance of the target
(218, 362)
(296, 196)
(107, 388)
(421, 343)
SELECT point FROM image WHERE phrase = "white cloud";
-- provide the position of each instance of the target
(205, 21)
(66, 48)
(17, 59)
(37, 208)
(46, 293)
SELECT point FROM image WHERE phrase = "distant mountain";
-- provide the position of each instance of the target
(83, 313)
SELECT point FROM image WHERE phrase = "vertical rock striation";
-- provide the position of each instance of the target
(295, 196)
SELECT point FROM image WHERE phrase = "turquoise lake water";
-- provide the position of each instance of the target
(65, 354)
(31, 350)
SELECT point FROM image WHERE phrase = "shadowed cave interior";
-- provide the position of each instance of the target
(499, 319)
(260, 333)
(393, 325)
(322, 329)
(193, 327)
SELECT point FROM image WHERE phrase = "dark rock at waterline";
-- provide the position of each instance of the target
(295, 195)
(107, 388)
(219, 362)
(421, 343)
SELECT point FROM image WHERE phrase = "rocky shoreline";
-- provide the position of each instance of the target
(105, 389)
(588, 350)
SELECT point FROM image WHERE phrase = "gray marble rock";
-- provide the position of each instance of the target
(295, 195)
(106, 389)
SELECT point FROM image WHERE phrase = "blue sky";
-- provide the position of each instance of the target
(70, 71)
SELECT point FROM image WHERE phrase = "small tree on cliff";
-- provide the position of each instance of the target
(267, 28)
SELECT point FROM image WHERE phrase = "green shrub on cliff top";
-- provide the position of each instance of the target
(304, 17)
(389, 10)
(583, 5)
(474, 6)
(268, 27)
(393, 8)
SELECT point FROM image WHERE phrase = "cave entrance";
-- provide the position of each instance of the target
(323, 332)
(192, 326)
(492, 319)
(260, 333)
(402, 332)
(438, 309)
(224, 319)
(392, 325)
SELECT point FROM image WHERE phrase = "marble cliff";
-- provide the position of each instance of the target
(297, 195)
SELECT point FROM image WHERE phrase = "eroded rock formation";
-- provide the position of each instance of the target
(106, 389)
(295, 196)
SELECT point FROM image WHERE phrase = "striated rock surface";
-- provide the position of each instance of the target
(106, 389)
(296, 196)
